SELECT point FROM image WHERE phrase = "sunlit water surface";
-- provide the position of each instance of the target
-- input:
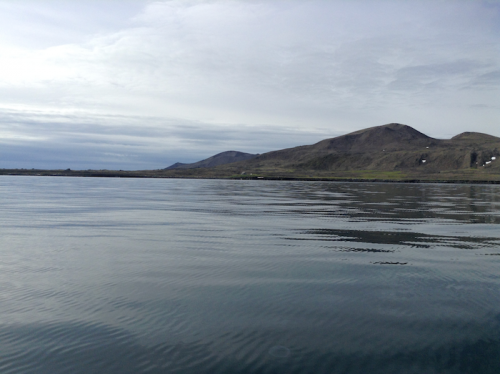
(124, 276)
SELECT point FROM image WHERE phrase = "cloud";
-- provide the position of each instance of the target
(439, 76)
(179, 70)
(38, 25)
(41, 140)
(488, 80)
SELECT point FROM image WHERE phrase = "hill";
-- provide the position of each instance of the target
(393, 148)
(387, 138)
(216, 160)
(392, 152)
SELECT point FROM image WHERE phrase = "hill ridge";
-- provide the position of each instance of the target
(221, 158)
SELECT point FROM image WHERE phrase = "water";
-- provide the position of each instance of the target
(200, 276)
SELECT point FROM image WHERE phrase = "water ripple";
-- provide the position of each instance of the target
(178, 276)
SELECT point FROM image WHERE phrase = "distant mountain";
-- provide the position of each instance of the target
(216, 160)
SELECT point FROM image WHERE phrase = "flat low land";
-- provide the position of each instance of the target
(392, 153)
(451, 176)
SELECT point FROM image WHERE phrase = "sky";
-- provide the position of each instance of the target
(138, 84)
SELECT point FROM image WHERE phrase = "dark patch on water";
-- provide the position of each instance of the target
(405, 238)
(368, 250)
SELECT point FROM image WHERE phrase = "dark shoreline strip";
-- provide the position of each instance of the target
(333, 179)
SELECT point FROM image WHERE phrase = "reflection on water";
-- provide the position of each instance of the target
(206, 276)
(407, 238)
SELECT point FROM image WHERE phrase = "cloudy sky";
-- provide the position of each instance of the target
(137, 84)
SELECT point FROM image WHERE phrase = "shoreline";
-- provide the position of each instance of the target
(141, 175)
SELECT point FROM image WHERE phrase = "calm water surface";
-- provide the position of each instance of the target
(122, 276)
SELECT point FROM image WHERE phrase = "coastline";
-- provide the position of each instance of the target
(161, 174)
